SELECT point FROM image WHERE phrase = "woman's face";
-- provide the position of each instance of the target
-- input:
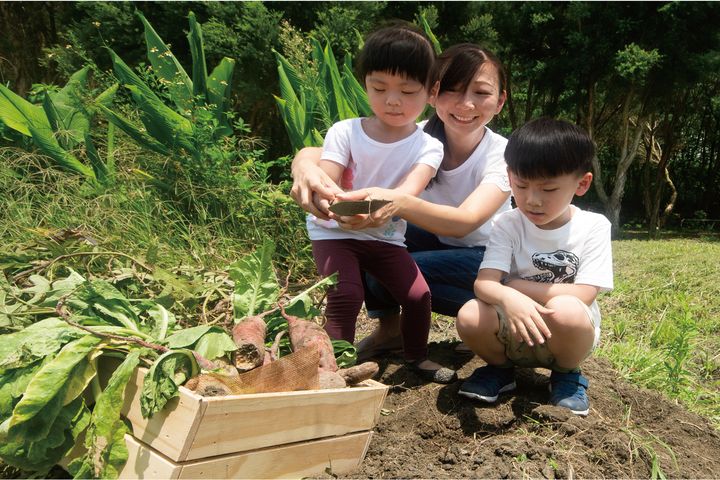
(467, 112)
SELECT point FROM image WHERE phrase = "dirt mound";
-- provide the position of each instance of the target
(428, 431)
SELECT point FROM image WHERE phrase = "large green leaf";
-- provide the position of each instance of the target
(128, 77)
(170, 72)
(37, 341)
(162, 123)
(18, 114)
(104, 442)
(355, 90)
(256, 286)
(42, 454)
(134, 132)
(46, 392)
(47, 143)
(302, 306)
(219, 86)
(197, 50)
(340, 108)
(208, 340)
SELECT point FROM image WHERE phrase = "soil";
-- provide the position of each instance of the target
(426, 430)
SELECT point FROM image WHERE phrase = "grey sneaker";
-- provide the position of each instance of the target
(569, 390)
(488, 382)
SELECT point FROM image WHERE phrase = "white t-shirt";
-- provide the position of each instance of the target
(369, 163)
(486, 165)
(578, 252)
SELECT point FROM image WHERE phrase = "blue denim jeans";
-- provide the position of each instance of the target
(448, 270)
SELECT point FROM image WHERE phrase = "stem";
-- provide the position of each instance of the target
(49, 263)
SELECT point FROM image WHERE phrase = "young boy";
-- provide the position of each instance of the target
(545, 263)
(387, 150)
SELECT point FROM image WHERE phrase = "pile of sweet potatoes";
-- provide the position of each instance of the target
(253, 363)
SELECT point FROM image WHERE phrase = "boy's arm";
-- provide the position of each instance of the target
(542, 292)
(523, 314)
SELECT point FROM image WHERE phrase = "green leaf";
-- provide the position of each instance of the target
(187, 337)
(128, 77)
(134, 132)
(46, 391)
(162, 123)
(106, 301)
(35, 342)
(163, 379)
(219, 87)
(18, 114)
(429, 33)
(302, 305)
(209, 341)
(41, 455)
(256, 286)
(197, 50)
(215, 344)
(104, 440)
(167, 68)
(345, 353)
(12, 385)
(163, 320)
(47, 143)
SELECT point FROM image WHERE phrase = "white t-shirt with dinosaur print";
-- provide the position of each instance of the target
(578, 252)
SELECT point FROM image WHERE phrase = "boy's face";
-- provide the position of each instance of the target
(396, 100)
(546, 201)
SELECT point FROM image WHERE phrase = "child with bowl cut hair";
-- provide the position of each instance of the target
(386, 150)
(545, 263)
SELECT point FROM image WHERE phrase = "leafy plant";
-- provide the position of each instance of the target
(310, 104)
(50, 367)
(61, 124)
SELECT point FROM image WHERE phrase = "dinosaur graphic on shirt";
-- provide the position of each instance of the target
(560, 265)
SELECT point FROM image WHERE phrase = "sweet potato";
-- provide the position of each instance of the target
(304, 334)
(329, 380)
(249, 336)
(359, 373)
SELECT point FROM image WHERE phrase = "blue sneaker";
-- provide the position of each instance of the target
(487, 382)
(569, 390)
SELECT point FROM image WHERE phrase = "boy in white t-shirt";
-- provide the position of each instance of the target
(386, 150)
(545, 263)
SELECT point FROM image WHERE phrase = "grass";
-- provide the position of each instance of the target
(661, 323)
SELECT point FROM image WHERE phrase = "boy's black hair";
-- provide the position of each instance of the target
(397, 49)
(547, 148)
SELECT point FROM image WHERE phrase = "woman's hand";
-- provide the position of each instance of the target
(376, 219)
(313, 190)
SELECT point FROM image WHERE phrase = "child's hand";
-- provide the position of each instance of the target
(524, 315)
(321, 204)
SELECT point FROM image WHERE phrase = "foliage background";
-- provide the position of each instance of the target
(640, 71)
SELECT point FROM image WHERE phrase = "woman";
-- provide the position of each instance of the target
(449, 223)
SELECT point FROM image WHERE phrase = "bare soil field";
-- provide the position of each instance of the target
(428, 431)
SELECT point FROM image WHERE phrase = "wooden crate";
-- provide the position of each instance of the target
(338, 455)
(192, 427)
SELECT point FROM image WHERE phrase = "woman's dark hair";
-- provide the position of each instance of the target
(547, 148)
(397, 49)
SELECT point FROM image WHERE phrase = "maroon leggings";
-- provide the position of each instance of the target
(392, 266)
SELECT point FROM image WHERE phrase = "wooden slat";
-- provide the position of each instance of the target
(340, 455)
(246, 422)
(144, 462)
(171, 430)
